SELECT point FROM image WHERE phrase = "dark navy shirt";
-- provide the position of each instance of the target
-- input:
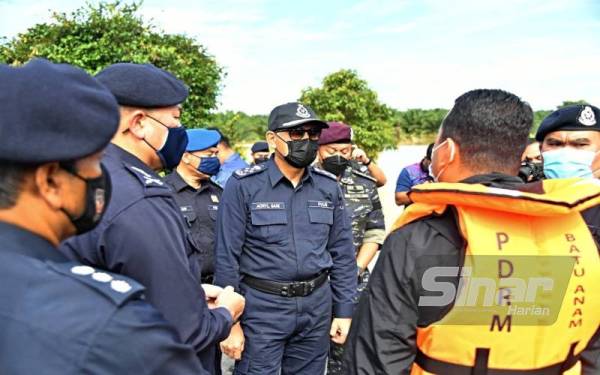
(199, 208)
(59, 317)
(142, 235)
(268, 229)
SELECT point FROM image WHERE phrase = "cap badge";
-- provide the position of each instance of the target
(587, 117)
(302, 111)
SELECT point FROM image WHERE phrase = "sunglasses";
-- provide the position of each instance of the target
(297, 134)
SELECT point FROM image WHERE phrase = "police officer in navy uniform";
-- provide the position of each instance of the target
(260, 152)
(58, 316)
(285, 241)
(198, 196)
(142, 234)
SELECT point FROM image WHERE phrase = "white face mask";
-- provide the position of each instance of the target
(436, 178)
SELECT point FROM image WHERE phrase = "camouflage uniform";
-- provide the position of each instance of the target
(364, 209)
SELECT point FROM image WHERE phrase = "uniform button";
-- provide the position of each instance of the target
(82, 270)
(102, 277)
(120, 286)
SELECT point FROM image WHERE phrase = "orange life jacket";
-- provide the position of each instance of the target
(514, 239)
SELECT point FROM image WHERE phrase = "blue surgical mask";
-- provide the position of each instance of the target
(568, 162)
(209, 165)
(171, 152)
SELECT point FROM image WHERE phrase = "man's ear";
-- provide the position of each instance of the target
(186, 158)
(133, 123)
(50, 182)
(270, 137)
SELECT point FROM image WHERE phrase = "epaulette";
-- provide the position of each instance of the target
(215, 183)
(249, 171)
(364, 175)
(117, 288)
(324, 173)
(146, 179)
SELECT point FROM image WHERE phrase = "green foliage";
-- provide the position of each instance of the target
(95, 36)
(418, 125)
(240, 127)
(345, 97)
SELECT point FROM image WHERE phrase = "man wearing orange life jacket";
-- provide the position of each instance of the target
(422, 312)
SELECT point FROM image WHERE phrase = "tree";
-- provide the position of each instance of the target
(240, 127)
(419, 125)
(347, 98)
(95, 36)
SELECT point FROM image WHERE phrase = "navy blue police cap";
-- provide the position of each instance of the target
(143, 85)
(201, 139)
(293, 115)
(573, 117)
(260, 146)
(53, 112)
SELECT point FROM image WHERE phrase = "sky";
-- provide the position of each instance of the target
(413, 53)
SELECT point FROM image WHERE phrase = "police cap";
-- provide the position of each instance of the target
(201, 139)
(293, 115)
(337, 132)
(260, 146)
(574, 117)
(143, 85)
(53, 112)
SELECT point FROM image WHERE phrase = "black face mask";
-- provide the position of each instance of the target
(260, 160)
(335, 164)
(97, 195)
(301, 153)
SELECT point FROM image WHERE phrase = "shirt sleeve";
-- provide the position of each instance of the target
(230, 235)
(147, 242)
(138, 340)
(382, 336)
(382, 339)
(343, 272)
(404, 183)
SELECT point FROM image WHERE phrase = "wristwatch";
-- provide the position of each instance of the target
(369, 162)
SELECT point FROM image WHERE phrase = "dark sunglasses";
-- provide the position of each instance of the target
(297, 134)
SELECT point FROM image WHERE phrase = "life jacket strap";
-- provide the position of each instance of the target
(435, 366)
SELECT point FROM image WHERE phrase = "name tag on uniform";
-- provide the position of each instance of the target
(212, 207)
(320, 204)
(186, 209)
(268, 206)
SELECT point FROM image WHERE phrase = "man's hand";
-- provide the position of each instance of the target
(211, 292)
(232, 301)
(233, 346)
(339, 330)
(359, 155)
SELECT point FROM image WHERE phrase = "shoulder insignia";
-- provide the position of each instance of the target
(324, 173)
(364, 175)
(117, 288)
(146, 178)
(249, 171)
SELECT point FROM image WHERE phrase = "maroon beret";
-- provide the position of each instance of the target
(336, 133)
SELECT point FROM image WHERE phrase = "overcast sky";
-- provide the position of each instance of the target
(415, 54)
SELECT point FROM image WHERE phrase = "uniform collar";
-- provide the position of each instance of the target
(179, 184)
(24, 242)
(116, 152)
(275, 174)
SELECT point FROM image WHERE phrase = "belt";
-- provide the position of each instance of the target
(435, 366)
(286, 289)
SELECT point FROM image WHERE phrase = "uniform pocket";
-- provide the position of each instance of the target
(213, 210)
(270, 225)
(320, 215)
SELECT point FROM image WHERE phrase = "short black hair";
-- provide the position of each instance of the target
(491, 128)
(224, 139)
(429, 151)
(12, 177)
